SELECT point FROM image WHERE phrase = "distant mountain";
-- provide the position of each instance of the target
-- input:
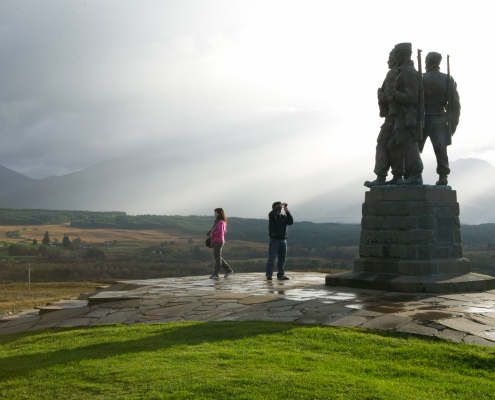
(472, 178)
(474, 181)
(124, 184)
(185, 187)
(341, 204)
(13, 182)
(196, 187)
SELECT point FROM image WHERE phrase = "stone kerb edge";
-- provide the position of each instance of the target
(450, 283)
(412, 267)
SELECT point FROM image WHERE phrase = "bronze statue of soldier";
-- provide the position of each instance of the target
(403, 131)
(386, 153)
(437, 96)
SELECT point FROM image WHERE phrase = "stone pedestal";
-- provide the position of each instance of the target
(411, 242)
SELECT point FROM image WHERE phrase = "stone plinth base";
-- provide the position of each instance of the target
(411, 242)
(414, 223)
(445, 283)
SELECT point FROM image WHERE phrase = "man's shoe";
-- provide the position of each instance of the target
(228, 274)
(443, 180)
(283, 278)
(214, 276)
(379, 181)
(394, 180)
(268, 278)
(414, 179)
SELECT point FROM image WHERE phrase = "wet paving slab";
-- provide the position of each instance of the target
(430, 315)
(460, 317)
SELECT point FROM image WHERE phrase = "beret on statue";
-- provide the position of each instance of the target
(403, 46)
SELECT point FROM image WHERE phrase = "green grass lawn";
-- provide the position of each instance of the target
(239, 360)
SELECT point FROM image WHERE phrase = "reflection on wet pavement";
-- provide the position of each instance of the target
(437, 307)
(384, 309)
(473, 310)
(356, 306)
(431, 315)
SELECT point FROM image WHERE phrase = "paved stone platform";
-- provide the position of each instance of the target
(460, 317)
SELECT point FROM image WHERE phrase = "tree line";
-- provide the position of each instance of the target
(52, 267)
(12, 216)
(55, 264)
(306, 234)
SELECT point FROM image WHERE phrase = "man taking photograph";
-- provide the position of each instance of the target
(278, 239)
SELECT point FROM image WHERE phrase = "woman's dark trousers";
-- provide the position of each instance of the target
(219, 261)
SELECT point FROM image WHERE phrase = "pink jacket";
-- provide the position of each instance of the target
(218, 231)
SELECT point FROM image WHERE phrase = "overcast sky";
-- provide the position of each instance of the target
(291, 84)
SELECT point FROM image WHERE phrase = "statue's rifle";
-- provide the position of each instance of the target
(421, 105)
(449, 97)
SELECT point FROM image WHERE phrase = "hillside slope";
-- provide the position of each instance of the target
(14, 182)
(185, 187)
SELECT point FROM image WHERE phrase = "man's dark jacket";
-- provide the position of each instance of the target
(277, 224)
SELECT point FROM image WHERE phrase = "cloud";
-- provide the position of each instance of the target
(86, 81)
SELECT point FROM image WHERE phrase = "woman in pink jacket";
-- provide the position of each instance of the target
(217, 240)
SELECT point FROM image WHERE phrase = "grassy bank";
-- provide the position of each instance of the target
(239, 360)
(18, 295)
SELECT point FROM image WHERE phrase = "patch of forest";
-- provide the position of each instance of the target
(12, 216)
(306, 234)
(478, 237)
(77, 262)
(312, 246)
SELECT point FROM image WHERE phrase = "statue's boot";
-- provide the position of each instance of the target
(413, 179)
(443, 180)
(394, 180)
(379, 181)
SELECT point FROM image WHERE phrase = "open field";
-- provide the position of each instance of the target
(126, 239)
(30, 232)
(17, 294)
(239, 360)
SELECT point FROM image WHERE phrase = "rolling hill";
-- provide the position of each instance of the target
(189, 187)
(13, 182)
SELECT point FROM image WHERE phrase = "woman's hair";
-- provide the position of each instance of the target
(221, 215)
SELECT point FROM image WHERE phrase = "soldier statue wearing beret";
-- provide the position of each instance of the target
(436, 99)
(405, 132)
(386, 151)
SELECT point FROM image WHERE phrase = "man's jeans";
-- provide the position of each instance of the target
(277, 248)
